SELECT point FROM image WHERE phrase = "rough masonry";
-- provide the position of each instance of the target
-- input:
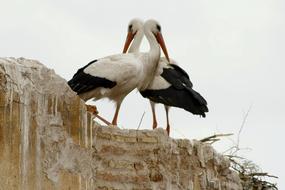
(49, 141)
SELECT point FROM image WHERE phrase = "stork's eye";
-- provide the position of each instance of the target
(130, 27)
(158, 27)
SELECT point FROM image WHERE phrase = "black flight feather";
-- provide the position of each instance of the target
(83, 82)
(180, 94)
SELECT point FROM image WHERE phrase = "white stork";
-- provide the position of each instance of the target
(116, 76)
(171, 86)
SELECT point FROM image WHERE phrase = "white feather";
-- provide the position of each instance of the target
(159, 82)
(117, 68)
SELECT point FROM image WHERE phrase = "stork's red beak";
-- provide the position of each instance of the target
(160, 40)
(129, 39)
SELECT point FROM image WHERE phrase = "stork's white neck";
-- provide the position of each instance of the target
(151, 60)
(135, 46)
(154, 51)
(154, 46)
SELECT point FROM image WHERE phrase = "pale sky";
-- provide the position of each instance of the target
(232, 50)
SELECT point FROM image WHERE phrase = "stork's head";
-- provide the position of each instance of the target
(154, 27)
(134, 26)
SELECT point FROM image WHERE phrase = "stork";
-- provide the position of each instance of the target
(171, 86)
(115, 76)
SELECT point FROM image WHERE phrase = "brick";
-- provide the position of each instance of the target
(130, 139)
(109, 149)
(126, 178)
(155, 176)
(122, 164)
(117, 138)
(140, 179)
(138, 166)
(143, 152)
(147, 139)
(106, 188)
(104, 136)
(122, 138)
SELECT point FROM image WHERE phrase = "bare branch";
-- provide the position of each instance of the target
(141, 120)
(250, 174)
(215, 138)
(243, 124)
(263, 174)
(234, 156)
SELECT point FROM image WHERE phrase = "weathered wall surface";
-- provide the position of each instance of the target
(43, 130)
(151, 160)
(49, 141)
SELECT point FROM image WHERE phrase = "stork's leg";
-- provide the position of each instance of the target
(167, 119)
(154, 122)
(94, 111)
(115, 118)
(102, 119)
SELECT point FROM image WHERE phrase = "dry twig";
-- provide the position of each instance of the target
(250, 174)
(214, 138)
(141, 120)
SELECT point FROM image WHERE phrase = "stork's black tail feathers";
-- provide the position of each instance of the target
(199, 103)
(180, 94)
(186, 98)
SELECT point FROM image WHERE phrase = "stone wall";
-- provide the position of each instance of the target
(49, 141)
(131, 159)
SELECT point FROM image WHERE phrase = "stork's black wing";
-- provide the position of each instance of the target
(180, 93)
(83, 82)
(176, 76)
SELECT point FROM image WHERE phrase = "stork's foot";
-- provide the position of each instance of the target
(114, 124)
(154, 125)
(93, 109)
